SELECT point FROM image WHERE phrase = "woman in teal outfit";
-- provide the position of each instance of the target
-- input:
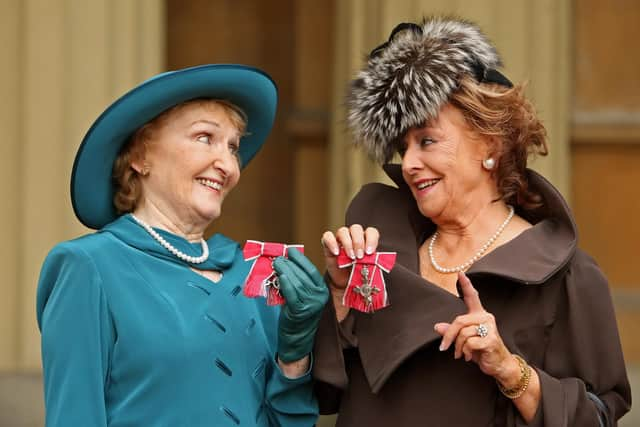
(144, 322)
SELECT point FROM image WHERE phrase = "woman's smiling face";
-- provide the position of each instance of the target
(442, 164)
(193, 162)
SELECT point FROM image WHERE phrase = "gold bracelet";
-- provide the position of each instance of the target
(523, 383)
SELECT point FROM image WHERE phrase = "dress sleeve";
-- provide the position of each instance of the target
(583, 356)
(77, 338)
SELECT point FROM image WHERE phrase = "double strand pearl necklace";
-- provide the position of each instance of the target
(478, 254)
(168, 246)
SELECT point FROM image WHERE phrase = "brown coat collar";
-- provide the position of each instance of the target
(547, 246)
(388, 337)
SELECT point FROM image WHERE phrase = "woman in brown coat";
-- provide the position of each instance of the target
(494, 316)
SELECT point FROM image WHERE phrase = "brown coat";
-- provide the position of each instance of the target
(551, 303)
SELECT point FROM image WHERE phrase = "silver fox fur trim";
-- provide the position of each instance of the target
(409, 80)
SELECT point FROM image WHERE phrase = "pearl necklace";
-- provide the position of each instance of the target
(168, 246)
(478, 254)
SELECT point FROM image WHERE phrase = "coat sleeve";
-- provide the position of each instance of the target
(77, 337)
(583, 355)
(290, 402)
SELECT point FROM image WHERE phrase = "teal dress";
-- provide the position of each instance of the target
(132, 337)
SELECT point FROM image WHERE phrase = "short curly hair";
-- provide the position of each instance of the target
(127, 183)
(506, 115)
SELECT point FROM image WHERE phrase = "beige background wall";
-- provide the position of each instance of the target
(605, 150)
(65, 60)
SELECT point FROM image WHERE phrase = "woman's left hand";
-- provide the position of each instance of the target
(305, 295)
(475, 335)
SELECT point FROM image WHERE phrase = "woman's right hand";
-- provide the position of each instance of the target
(356, 242)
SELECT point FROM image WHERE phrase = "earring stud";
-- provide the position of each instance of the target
(489, 163)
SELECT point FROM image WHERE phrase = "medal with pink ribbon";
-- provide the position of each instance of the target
(262, 280)
(366, 290)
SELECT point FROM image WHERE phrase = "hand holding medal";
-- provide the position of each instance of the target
(362, 287)
(366, 290)
(283, 275)
(262, 280)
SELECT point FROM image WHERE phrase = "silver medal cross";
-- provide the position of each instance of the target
(272, 281)
(365, 289)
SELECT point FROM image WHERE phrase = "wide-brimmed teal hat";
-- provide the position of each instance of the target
(250, 89)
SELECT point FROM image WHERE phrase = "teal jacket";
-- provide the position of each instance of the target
(131, 336)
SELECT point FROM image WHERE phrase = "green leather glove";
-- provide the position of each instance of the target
(306, 294)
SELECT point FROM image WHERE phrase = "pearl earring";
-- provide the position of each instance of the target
(489, 163)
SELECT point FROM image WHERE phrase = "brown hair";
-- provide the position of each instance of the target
(128, 188)
(504, 114)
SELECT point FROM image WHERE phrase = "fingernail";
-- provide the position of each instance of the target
(336, 251)
(442, 347)
(360, 253)
(369, 250)
(352, 254)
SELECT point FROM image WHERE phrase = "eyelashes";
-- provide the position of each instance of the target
(234, 148)
(424, 142)
(207, 139)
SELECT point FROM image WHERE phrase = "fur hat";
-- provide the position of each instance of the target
(410, 77)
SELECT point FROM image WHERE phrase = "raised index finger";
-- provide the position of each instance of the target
(469, 294)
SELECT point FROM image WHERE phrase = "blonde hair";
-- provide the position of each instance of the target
(126, 180)
(505, 114)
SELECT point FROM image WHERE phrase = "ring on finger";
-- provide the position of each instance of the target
(482, 330)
